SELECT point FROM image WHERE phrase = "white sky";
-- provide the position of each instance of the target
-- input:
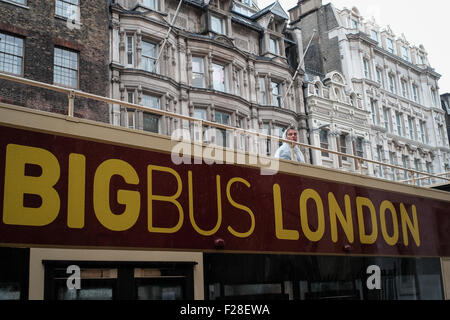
(422, 22)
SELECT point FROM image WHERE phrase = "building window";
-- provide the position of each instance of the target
(19, 1)
(317, 90)
(150, 121)
(273, 46)
(390, 45)
(243, 10)
(131, 118)
(151, 4)
(386, 119)
(352, 100)
(392, 160)
(67, 8)
(65, 68)
(149, 56)
(429, 170)
(392, 83)
(219, 82)
(411, 128)
(416, 93)
(221, 134)
(200, 113)
(198, 72)
(353, 24)
(150, 101)
(366, 68)
(373, 107)
(405, 160)
(130, 96)
(237, 82)
(276, 94)
(399, 123)
(337, 93)
(222, 118)
(11, 54)
(262, 90)
(374, 35)
(380, 159)
(343, 145)
(379, 77)
(405, 53)
(404, 89)
(217, 25)
(418, 167)
(130, 50)
(433, 97)
(267, 145)
(323, 135)
(422, 131)
(359, 147)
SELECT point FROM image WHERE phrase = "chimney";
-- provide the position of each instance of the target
(303, 7)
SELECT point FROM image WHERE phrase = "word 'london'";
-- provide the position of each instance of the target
(17, 184)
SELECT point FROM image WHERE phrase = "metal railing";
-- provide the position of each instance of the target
(72, 94)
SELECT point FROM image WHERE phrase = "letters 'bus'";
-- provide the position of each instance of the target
(110, 203)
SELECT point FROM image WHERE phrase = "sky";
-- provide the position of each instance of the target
(422, 22)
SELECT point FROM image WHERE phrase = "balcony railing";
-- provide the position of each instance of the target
(415, 176)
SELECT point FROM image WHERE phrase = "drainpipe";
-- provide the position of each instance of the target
(308, 130)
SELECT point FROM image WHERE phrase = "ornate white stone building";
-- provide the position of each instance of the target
(384, 77)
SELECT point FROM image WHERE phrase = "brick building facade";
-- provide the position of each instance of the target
(46, 41)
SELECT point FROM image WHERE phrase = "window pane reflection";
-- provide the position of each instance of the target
(320, 277)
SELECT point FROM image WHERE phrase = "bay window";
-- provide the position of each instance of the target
(276, 94)
(149, 56)
(198, 72)
(219, 77)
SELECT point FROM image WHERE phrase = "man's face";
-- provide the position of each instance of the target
(291, 135)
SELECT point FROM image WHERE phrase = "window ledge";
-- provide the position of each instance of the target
(78, 23)
(16, 4)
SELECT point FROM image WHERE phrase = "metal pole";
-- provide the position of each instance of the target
(298, 68)
(168, 33)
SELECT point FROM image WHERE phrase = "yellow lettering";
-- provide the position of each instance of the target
(76, 191)
(387, 205)
(408, 224)
(242, 207)
(171, 199)
(191, 207)
(280, 232)
(304, 197)
(131, 199)
(17, 184)
(346, 222)
(366, 238)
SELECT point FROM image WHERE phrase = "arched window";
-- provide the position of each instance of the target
(337, 92)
